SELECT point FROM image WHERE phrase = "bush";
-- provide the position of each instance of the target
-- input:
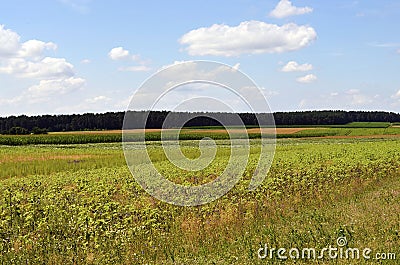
(18, 131)
(37, 130)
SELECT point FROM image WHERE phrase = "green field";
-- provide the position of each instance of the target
(365, 125)
(79, 204)
(217, 133)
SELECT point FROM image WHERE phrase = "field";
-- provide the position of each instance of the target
(374, 130)
(70, 198)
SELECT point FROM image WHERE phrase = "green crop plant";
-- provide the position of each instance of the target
(54, 212)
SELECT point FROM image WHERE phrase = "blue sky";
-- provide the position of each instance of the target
(76, 56)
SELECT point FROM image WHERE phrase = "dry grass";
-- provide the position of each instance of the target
(43, 158)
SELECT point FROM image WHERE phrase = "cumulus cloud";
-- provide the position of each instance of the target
(121, 54)
(9, 42)
(285, 9)
(48, 68)
(11, 47)
(46, 90)
(293, 66)
(307, 79)
(28, 60)
(118, 53)
(249, 37)
(35, 48)
(57, 86)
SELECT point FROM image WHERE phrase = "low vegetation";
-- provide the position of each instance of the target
(193, 134)
(79, 204)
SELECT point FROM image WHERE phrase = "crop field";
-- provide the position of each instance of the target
(374, 130)
(79, 204)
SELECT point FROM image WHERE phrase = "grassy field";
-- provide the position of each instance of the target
(79, 204)
(365, 125)
(217, 133)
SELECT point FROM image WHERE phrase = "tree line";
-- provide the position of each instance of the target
(138, 119)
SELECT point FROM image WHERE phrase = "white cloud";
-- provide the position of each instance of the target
(47, 68)
(285, 9)
(97, 99)
(307, 79)
(293, 66)
(353, 91)
(236, 66)
(398, 51)
(360, 99)
(35, 48)
(356, 97)
(57, 86)
(138, 68)
(174, 63)
(28, 60)
(249, 37)
(11, 47)
(118, 53)
(269, 93)
(46, 90)
(397, 95)
(9, 42)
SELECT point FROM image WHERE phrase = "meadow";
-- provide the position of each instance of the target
(79, 204)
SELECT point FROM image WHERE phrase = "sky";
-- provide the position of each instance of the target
(78, 56)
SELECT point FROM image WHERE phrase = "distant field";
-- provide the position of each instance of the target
(364, 125)
(101, 132)
(217, 133)
(206, 129)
